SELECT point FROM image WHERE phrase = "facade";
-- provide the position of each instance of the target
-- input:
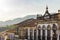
(45, 27)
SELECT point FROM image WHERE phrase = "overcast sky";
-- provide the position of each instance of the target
(11, 9)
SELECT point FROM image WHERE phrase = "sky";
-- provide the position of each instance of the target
(11, 9)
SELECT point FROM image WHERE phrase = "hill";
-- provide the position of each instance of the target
(15, 21)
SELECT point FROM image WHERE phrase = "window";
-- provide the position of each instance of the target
(43, 27)
(54, 27)
(43, 30)
(35, 34)
(26, 34)
(48, 32)
(48, 27)
(31, 34)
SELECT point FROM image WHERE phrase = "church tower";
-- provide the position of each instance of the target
(47, 14)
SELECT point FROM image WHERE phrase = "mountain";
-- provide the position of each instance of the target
(15, 21)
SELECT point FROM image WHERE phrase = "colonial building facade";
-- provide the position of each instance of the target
(44, 27)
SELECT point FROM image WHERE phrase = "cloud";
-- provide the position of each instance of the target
(10, 9)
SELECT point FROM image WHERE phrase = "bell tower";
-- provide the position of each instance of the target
(47, 14)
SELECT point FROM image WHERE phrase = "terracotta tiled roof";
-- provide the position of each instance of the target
(28, 23)
(31, 22)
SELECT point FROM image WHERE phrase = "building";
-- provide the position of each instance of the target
(44, 27)
(7, 35)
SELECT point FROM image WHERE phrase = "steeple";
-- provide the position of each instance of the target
(47, 9)
(46, 12)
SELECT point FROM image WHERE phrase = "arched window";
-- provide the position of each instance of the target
(35, 34)
(48, 32)
(48, 27)
(23, 34)
(43, 32)
(39, 27)
(39, 32)
(26, 33)
(43, 27)
(54, 28)
(31, 32)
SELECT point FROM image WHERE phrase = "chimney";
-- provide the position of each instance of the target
(58, 11)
